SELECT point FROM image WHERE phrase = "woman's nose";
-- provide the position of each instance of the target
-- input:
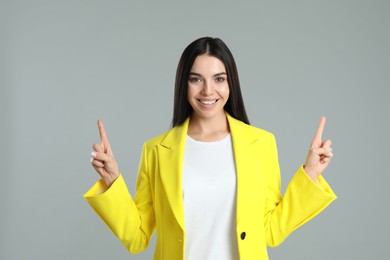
(207, 88)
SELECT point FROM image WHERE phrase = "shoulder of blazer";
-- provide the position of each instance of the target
(172, 138)
(248, 133)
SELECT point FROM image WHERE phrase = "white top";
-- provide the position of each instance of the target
(209, 192)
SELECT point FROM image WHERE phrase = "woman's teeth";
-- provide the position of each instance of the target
(208, 102)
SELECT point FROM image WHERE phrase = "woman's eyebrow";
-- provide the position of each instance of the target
(216, 75)
(220, 74)
(195, 74)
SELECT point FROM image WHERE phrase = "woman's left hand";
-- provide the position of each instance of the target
(320, 153)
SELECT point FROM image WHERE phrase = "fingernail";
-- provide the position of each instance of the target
(93, 154)
(91, 160)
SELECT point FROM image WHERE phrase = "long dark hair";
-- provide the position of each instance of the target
(216, 48)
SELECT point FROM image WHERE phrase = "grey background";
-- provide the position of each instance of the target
(64, 64)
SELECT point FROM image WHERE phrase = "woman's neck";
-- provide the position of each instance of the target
(208, 129)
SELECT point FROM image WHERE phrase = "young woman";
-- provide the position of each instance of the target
(210, 186)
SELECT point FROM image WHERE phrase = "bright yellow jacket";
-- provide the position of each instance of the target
(263, 217)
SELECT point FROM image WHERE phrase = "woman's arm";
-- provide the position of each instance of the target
(131, 220)
(306, 195)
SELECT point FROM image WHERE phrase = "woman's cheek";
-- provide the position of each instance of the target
(224, 89)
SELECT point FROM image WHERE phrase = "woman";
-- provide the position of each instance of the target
(210, 186)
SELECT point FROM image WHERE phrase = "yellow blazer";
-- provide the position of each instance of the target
(263, 217)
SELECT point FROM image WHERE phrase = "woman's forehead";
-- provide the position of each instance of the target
(207, 64)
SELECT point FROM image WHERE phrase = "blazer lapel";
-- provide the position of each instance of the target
(246, 158)
(171, 156)
(243, 139)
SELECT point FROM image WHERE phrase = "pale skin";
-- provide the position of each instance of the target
(208, 92)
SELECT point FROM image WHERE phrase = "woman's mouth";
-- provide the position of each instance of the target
(208, 102)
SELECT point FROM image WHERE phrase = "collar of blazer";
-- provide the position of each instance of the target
(171, 155)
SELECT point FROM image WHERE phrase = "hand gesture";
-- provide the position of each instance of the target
(103, 159)
(320, 153)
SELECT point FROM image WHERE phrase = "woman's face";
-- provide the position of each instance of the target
(208, 89)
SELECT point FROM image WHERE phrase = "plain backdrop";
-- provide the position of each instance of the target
(64, 64)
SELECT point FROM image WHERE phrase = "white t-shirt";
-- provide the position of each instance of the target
(209, 192)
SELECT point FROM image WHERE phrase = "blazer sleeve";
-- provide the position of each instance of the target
(131, 220)
(302, 201)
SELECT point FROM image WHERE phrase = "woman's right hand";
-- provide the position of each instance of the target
(103, 159)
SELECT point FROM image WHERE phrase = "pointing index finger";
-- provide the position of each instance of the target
(320, 129)
(103, 135)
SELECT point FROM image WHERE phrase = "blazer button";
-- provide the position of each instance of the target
(243, 235)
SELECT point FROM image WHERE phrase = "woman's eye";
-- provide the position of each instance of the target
(219, 79)
(195, 80)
